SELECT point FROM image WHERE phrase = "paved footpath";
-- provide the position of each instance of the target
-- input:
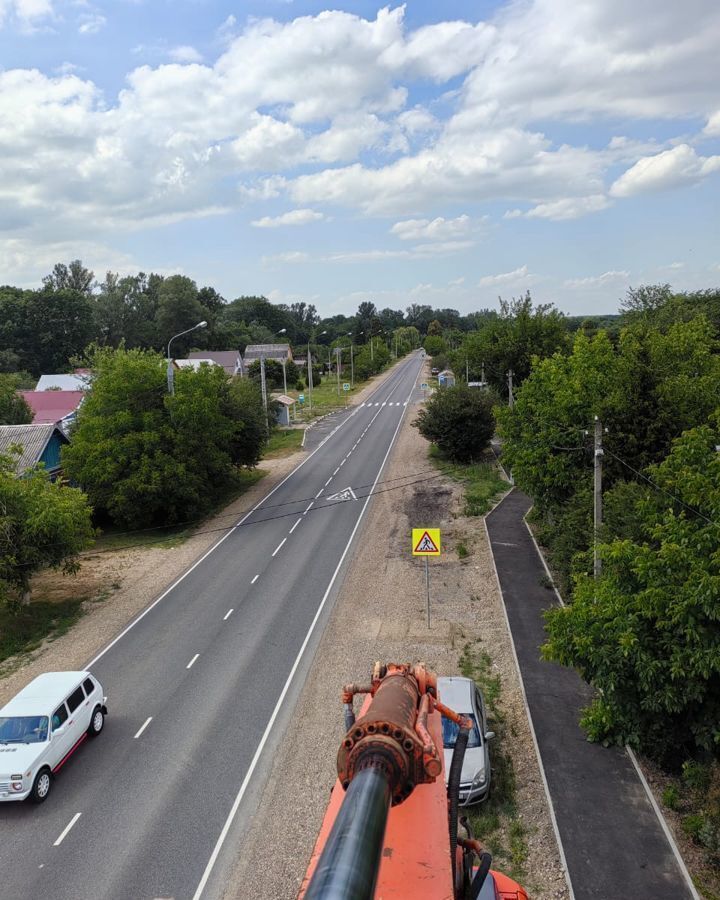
(614, 844)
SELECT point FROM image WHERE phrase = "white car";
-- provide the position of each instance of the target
(462, 695)
(42, 727)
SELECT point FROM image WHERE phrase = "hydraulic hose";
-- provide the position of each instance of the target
(480, 876)
(348, 866)
(454, 791)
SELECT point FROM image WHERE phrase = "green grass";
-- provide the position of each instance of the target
(462, 550)
(25, 630)
(496, 822)
(283, 442)
(325, 397)
(482, 482)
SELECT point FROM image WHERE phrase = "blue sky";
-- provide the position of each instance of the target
(442, 153)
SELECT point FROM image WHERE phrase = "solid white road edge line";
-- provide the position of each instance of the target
(295, 525)
(277, 549)
(228, 614)
(561, 849)
(192, 661)
(143, 727)
(211, 550)
(633, 759)
(281, 698)
(254, 579)
(67, 828)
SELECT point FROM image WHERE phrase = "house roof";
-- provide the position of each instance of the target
(32, 438)
(269, 351)
(76, 382)
(230, 360)
(194, 363)
(51, 406)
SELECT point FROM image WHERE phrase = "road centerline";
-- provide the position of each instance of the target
(295, 525)
(143, 727)
(228, 614)
(192, 661)
(277, 549)
(66, 829)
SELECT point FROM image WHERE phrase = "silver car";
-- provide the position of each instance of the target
(462, 695)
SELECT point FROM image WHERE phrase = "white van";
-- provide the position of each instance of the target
(42, 727)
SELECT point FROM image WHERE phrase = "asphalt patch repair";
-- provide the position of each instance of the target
(613, 841)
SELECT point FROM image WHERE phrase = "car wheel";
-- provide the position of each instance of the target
(97, 723)
(41, 786)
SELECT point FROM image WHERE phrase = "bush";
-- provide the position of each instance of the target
(299, 385)
(460, 421)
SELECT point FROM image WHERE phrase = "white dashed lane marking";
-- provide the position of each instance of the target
(67, 828)
(309, 507)
(295, 525)
(277, 549)
(254, 579)
(192, 661)
(143, 727)
(228, 614)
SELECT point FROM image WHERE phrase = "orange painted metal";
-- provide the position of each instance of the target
(416, 850)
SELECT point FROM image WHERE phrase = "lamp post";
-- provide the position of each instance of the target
(170, 378)
(309, 370)
(284, 362)
(352, 360)
(338, 356)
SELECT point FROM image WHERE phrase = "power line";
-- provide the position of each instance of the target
(662, 489)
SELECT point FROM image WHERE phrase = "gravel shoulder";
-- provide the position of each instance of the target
(380, 614)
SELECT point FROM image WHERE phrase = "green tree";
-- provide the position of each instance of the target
(435, 329)
(145, 457)
(459, 420)
(13, 408)
(73, 277)
(646, 634)
(434, 345)
(178, 309)
(243, 404)
(58, 325)
(42, 523)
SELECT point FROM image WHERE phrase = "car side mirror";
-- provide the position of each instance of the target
(489, 735)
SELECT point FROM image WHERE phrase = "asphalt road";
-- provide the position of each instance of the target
(215, 666)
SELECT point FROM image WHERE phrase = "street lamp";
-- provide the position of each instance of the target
(309, 370)
(283, 331)
(170, 379)
(352, 361)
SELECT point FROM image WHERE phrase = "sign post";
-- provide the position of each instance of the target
(426, 542)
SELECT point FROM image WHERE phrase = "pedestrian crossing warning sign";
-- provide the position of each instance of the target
(426, 541)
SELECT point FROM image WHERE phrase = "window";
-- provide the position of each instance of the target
(75, 699)
(23, 729)
(59, 716)
(89, 686)
(450, 733)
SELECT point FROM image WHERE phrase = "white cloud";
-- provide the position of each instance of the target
(517, 276)
(25, 12)
(91, 23)
(291, 256)
(559, 210)
(594, 281)
(669, 169)
(184, 54)
(712, 128)
(435, 229)
(293, 217)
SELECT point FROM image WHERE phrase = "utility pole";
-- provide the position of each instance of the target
(482, 371)
(511, 399)
(467, 371)
(338, 351)
(372, 353)
(309, 376)
(263, 388)
(597, 514)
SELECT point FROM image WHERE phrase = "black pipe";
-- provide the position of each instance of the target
(480, 876)
(348, 866)
(453, 790)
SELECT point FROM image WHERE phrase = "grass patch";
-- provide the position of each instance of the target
(462, 550)
(283, 442)
(25, 630)
(496, 822)
(482, 482)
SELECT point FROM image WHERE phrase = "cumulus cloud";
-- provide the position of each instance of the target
(436, 229)
(185, 54)
(293, 217)
(25, 12)
(517, 276)
(712, 128)
(593, 281)
(91, 23)
(558, 210)
(669, 169)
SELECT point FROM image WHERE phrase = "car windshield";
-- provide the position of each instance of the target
(23, 729)
(450, 733)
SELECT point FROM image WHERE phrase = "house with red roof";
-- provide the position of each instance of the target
(53, 407)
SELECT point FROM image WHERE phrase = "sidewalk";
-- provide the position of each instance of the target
(614, 844)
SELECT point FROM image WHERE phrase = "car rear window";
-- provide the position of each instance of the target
(59, 716)
(75, 699)
(89, 686)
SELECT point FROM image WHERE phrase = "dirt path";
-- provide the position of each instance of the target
(380, 615)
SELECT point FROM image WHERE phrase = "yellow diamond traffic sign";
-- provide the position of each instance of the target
(426, 542)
